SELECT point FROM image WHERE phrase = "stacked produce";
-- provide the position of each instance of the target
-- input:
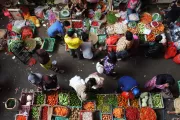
(132, 113)
(77, 24)
(112, 100)
(134, 103)
(61, 111)
(90, 106)
(147, 113)
(107, 117)
(44, 113)
(145, 100)
(63, 98)
(146, 18)
(157, 100)
(39, 99)
(52, 98)
(74, 100)
(21, 117)
(122, 102)
(102, 105)
(35, 112)
(74, 114)
(118, 112)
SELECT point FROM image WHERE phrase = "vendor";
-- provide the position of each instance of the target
(160, 81)
(127, 84)
(131, 6)
(174, 12)
(57, 28)
(93, 81)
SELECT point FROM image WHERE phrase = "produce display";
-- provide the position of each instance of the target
(132, 24)
(104, 108)
(95, 23)
(142, 38)
(102, 104)
(74, 100)
(157, 100)
(107, 117)
(44, 113)
(134, 103)
(35, 112)
(87, 116)
(111, 100)
(141, 28)
(118, 112)
(74, 114)
(61, 111)
(144, 98)
(52, 98)
(63, 98)
(132, 113)
(77, 24)
(122, 102)
(59, 118)
(21, 117)
(90, 106)
(111, 18)
(39, 99)
(151, 37)
(156, 17)
(147, 113)
(146, 18)
(133, 17)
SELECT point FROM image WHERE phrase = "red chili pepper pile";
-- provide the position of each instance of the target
(132, 113)
(147, 113)
(94, 23)
(44, 113)
(77, 24)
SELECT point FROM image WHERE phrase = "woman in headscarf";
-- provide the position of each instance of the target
(161, 81)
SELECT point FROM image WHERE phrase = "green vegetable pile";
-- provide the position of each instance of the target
(10, 103)
(141, 28)
(74, 100)
(111, 18)
(132, 24)
(39, 99)
(142, 38)
(35, 113)
(112, 100)
(63, 99)
(104, 108)
(157, 100)
(103, 103)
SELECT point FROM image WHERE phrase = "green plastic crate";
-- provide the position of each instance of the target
(48, 44)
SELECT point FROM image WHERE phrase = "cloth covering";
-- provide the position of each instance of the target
(108, 67)
(55, 29)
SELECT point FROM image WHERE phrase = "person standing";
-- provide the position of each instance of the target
(131, 6)
(128, 85)
(73, 42)
(46, 62)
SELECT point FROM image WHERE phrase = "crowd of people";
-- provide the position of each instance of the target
(83, 48)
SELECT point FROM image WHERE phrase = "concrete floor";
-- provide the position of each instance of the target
(13, 74)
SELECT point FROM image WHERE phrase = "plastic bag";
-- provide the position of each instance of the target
(27, 33)
(39, 11)
(112, 41)
(176, 59)
(171, 51)
(99, 68)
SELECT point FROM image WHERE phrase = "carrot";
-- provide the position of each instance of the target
(89, 106)
(146, 18)
(21, 117)
(118, 112)
(52, 99)
(61, 111)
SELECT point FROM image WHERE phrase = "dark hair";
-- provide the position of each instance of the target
(129, 36)
(70, 32)
(41, 52)
(66, 23)
(158, 38)
(165, 78)
(90, 83)
(112, 57)
(85, 36)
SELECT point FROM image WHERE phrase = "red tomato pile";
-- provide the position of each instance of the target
(94, 23)
(147, 113)
(132, 113)
(44, 113)
(77, 24)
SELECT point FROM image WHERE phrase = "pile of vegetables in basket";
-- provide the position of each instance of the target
(39, 99)
(74, 100)
(132, 113)
(44, 113)
(147, 113)
(122, 102)
(157, 100)
(134, 103)
(146, 18)
(89, 105)
(145, 99)
(21, 117)
(52, 98)
(102, 105)
(77, 24)
(111, 18)
(74, 114)
(111, 100)
(118, 112)
(61, 111)
(63, 98)
(35, 112)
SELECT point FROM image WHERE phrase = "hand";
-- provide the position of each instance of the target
(166, 85)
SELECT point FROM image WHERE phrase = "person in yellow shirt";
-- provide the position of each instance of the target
(73, 42)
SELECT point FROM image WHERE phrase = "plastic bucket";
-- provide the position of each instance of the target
(12, 104)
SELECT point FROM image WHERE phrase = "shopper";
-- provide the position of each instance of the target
(93, 81)
(79, 86)
(128, 85)
(124, 45)
(173, 12)
(109, 63)
(73, 42)
(160, 81)
(131, 6)
(50, 82)
(46, 62)
(57, 28)
(154, 49)
(35, 79)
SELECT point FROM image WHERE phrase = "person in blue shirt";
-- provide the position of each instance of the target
(57, 28)
(127, 85)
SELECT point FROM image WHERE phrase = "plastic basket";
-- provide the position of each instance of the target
(48, 44)
(62, 107)
(84, 102)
